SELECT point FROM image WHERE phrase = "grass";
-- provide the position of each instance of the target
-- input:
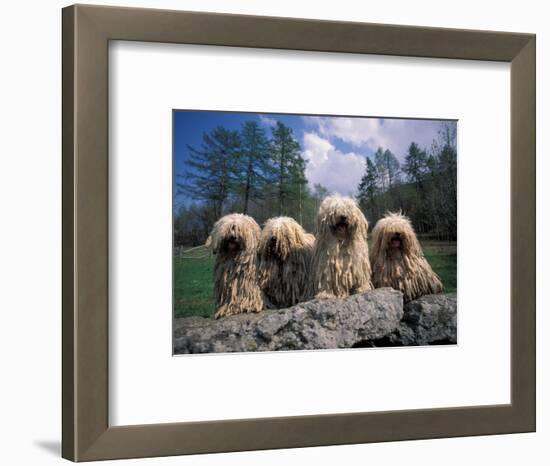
(442, 258)
(193, 283)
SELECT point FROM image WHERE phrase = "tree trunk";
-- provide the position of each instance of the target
(247, 187)
(245, 208)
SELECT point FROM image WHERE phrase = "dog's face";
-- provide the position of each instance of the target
(232, 242)
(234, 234)
(342, 228)
(279, 237)
(396, 243)
(393, 236)
(340, 218)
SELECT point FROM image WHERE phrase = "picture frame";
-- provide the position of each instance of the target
(86, 433)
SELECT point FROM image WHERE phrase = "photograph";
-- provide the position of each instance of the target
(297, 232)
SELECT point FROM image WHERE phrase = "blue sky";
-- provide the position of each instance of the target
(335, 147)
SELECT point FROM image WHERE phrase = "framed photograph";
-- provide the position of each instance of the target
(272, 212)
(272, 226)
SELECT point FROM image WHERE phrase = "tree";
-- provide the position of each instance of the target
(289, 168)
(211, 177)
(319, 192)
(416, 168)
(368, 187)
(254, 168)
(428, 194)
(443, 202)
(447, 134)
(298, 186)
(387, 167)
(192, 224)
(416, 164)
(448, 190)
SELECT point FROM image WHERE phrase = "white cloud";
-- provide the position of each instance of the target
(337, 171)
(267, 121)
(371, 133)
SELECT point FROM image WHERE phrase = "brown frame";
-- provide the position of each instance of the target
(86, 432)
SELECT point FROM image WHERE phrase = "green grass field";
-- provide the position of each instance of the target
(442, 257)
(194, 284)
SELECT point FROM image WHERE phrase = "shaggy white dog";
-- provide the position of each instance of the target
(284, 253)
(234, 241)
(341, 253)
(398, 261)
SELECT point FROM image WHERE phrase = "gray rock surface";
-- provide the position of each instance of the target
(317, 324)
(377, 318)
(429, 320)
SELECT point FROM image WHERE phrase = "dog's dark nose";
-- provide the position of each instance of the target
(232, 238)
(343, 218)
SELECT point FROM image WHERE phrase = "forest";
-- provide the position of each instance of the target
(264, 175)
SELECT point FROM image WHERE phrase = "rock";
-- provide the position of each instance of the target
(429, 320)
(317, 324)
(376, 318)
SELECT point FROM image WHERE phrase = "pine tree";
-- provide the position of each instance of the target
(212, 176)
(254, 169)
(415, 165)
(289, 168)
(387, 167)
(298, 185)
(448, 189)
(368, 188)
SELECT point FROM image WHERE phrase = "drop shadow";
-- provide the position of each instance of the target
(51, 446)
